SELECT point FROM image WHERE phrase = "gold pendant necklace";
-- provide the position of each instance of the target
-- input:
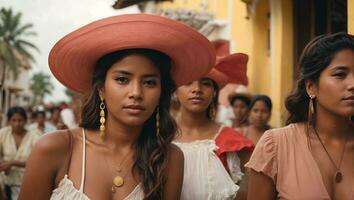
(118, 181)
(338, 176)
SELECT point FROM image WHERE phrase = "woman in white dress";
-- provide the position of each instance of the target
(16, 143)
(213, 155)
(127, 67)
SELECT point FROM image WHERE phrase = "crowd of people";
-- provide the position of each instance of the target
(23, 128)
(146, 124)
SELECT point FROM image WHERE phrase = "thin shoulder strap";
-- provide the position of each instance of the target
(70, 150)
(83, 161)
(219, 131)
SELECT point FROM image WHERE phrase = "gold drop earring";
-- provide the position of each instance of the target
(311, 111)
(102, 118)
(157, 121)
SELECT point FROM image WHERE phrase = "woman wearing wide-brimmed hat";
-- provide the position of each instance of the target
(128, 67)
(214, 155)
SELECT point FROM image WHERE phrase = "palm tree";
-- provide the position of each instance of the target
(13, 47)
(40, 85)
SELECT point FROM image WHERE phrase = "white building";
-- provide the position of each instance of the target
(14, 92)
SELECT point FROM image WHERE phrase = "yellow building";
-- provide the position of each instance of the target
(272, 33)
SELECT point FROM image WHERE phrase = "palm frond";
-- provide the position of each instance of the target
(7, 55)
(11, 42)
(24, 53)
(41, 85)
(22, 30)
(14, 22)
(31, 33)
(26, 43)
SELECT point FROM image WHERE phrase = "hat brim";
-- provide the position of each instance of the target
(235, 66)
(220, 78)
(73, 58)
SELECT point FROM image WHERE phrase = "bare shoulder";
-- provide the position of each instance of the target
(53, 142)
(54, 145)
(46, 164)
(54, 150)
(175, 152)
(175, 158)
(174, 173)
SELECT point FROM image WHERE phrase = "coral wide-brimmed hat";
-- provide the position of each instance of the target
(219, 77)
(230, 69)
(73, 58)
(235, 67)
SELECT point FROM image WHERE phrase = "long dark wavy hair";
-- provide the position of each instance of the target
(151, 149)
(212, 109)
(316, 56)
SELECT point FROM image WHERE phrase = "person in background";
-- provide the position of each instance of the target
(32, 116)
(225, 113)
(55, 115)
(313, 156)
(214, 154)
(259, 114)
(240, 104)
(16, 143)
(56, 119)
(71, 113)
(41, 123)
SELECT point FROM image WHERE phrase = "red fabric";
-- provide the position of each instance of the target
(222, 47)
(229, 140)
(220, 78)
(234, 66)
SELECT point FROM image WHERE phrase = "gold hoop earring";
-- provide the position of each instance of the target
(102, 119)
(157, 121)
(311, 111)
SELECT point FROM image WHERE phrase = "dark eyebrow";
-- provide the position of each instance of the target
(151, 76)
(205, 79)
(124, 72)
(340, 68)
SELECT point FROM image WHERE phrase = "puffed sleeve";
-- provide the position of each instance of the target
(264, 156)
(234, 163)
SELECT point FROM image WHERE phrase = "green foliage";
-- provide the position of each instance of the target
(12, 41)
(40, 85)
(69, 93)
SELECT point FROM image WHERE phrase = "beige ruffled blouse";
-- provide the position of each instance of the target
(283, 155)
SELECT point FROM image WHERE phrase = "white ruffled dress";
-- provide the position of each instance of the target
(205, 177)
